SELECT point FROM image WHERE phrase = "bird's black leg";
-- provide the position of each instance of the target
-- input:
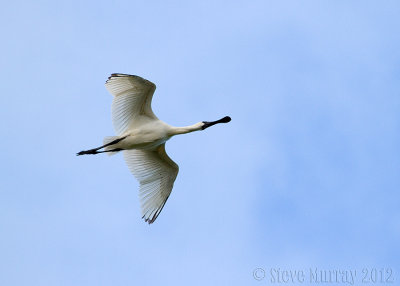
(94, 151)
(113, 150)
(87, 152)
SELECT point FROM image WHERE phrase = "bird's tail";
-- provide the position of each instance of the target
(109, 139)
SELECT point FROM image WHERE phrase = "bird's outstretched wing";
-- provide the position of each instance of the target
(156, 173)
(132, 99)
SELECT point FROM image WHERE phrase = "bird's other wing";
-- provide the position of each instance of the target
(156, 173)
(132, 99)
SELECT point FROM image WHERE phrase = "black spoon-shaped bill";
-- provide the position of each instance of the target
(207, 124)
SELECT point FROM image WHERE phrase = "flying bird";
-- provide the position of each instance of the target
(142, 136)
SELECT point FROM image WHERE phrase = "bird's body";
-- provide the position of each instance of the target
(148, 136)
(142, 136)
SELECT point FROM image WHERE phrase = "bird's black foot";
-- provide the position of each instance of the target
(87, 152)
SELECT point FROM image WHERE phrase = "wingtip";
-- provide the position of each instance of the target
(116, 75)
(148, 220)
(123, 75)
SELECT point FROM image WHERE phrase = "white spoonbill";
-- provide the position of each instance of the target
(142, 137)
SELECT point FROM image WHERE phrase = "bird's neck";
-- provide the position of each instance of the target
(186, 129)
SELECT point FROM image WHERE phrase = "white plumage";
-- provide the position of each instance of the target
(142, 137)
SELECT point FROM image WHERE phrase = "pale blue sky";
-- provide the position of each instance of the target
(305, 175)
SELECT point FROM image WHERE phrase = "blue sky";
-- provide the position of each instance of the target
(305, 176)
